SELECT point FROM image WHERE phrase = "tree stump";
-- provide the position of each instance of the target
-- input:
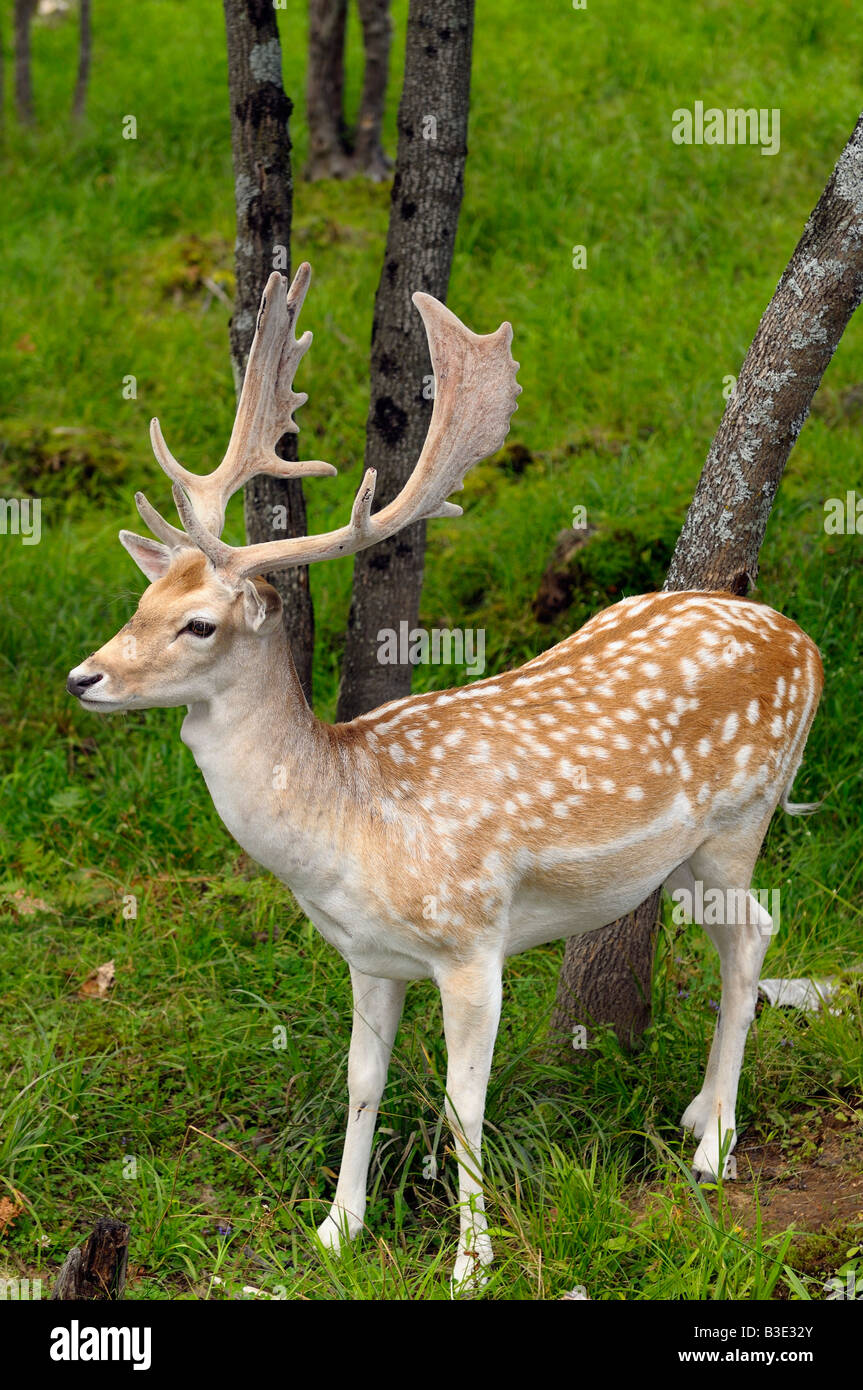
(97, 1269)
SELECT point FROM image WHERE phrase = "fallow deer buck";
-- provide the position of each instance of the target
(446, 831)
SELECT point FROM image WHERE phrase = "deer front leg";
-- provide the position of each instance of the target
(471, 1012)
(377, 1010)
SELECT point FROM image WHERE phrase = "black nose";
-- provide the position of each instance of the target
(76, 685)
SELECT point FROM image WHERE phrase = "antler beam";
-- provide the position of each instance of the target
(475, 397)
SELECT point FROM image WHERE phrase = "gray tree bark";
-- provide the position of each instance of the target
(261, 147)
(424, 209)
(369, 158)
(329, 156)
(333, 152)
(606, 975)
(23, 18)
(79, 100)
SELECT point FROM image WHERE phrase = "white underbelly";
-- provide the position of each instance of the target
(537, 917)
(363, 948)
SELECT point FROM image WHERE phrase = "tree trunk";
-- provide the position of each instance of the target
(721, 538)
(24, 12)
(329, 157)
(97, 1269)
(261, 147)
(79, 100)
(424, 209)
(369, 158)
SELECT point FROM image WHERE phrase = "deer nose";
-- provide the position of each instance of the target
(76, 685)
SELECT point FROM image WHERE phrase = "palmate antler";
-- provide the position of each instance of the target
(475, 397)
(264, 414)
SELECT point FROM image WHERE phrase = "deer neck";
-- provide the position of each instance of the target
(269, 765)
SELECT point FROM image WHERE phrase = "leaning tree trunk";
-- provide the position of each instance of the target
(23, 18)
(424, 209)
(79, 100)
(369, 158)
(606, 976)
(261, 148)
(325, 78)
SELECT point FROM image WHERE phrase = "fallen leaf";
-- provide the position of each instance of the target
(98, 982)
(26, 906)
(9, 1211)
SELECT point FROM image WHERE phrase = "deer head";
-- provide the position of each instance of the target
(207, 609)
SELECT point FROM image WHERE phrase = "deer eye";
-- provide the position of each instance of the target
(199, 628)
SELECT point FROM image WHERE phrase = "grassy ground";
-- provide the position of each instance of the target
(167, 1101)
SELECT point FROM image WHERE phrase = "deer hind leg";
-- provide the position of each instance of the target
(377, 1010)
(471, 1012)
(725, 863)
(694, 1117)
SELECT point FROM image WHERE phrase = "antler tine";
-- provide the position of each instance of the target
(475, 397)
(215, 550)
(264, 413)
(158, 525)
(175, 471)
(361, 511)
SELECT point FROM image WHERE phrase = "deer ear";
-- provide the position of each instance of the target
(151, 557)
(262, 604)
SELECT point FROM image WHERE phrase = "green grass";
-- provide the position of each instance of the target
(235, 1143)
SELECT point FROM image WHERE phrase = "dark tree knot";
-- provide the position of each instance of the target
(389, 420)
